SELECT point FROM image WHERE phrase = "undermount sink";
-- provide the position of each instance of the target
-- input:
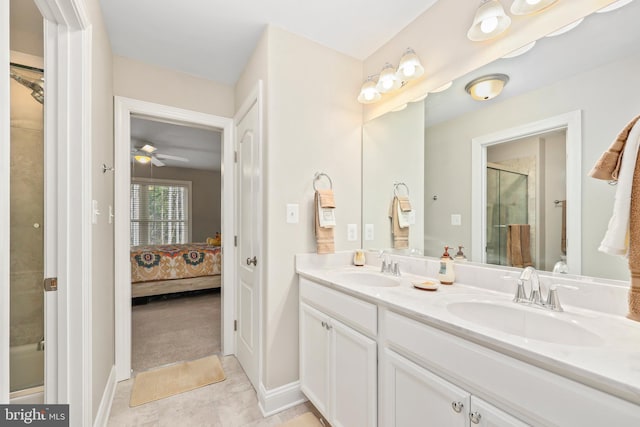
(526, 322)
(369, 278)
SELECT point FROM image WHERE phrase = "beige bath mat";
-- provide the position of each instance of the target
(305, 420)
(164, 382)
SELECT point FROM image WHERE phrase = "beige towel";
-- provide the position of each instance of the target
(608, 165)
(634, 247)
(405, 204)
(399, 235)
(519, 245)
(324, 236)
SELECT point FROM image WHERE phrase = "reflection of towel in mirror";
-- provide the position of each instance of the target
(634, 247)
(615, 240)
(400, 235)
(608, 165)
(323, 199)
(519, 245)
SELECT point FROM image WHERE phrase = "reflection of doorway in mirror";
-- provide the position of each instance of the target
(533, 175)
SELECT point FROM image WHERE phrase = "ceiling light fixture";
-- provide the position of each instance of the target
(566, 28)
(520, 51)
(141, 158)
(490, 20)
(613, 6)
(486, 87)
(368, 92)
(527, 7)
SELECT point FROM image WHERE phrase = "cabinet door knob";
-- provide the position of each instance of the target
(457, 406)
(324, 324)
(475, 417)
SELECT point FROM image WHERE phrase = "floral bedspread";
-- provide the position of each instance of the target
(165, 262)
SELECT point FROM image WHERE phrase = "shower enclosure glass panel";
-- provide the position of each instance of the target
(507, 203)
(26, 232)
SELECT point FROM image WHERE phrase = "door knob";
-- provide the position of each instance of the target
(253, 261)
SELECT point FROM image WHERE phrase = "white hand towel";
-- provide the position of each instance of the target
(615, 240)
(326, 216)
(404, 217)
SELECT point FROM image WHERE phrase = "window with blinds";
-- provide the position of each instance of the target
(159, 212)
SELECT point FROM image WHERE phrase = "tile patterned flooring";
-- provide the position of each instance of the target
(181, 329)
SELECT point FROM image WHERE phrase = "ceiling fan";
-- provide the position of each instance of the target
(147, 153)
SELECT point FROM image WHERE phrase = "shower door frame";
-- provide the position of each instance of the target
(67, 59)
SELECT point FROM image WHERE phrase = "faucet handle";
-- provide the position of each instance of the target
(553, 300)
(395, 268)
(521, 294)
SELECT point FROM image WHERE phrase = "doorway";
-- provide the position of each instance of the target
(127, 110)
(175, 219)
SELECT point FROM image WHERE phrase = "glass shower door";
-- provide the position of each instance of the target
(26, 337)
(507, 203)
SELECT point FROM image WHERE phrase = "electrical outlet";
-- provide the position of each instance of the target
(456, 219)
(368, 232)
(352, 232)
(293, 213)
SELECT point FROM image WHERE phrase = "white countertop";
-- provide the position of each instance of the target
(612, 365)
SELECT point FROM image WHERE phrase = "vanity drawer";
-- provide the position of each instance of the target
(356, 313)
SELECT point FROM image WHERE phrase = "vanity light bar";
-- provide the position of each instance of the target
(390, 79)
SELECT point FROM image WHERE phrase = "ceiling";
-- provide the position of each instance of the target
(600, 39)
(203, 147)
(215, 38)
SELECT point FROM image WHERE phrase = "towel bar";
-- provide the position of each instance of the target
(398, 184)
(317, 177)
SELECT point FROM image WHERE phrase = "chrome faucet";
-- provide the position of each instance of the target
(529, 274)
(386, 265)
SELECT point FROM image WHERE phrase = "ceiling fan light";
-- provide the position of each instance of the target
(141, 158)
(490, 20)
(486, 87)
(527, 7)
(388, 81)
(410, 66)
(368, 92)
(613, 6)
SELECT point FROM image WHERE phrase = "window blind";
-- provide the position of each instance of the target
(159, 213)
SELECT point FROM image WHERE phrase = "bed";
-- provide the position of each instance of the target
(165, 269)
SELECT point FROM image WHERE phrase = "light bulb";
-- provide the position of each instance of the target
(387, 84)
(409, 70)
(369, 95)
(532, 2)
(488, 25)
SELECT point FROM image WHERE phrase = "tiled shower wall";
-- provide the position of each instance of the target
(27, 192)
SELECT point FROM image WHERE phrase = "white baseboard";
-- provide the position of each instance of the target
(281, 398)
(107, 399)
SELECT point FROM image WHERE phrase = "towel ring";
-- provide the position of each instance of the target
(317, 177)
(398, 184)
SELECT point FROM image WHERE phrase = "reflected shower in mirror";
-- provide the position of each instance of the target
(586, 73)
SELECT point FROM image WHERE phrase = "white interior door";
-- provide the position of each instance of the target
(248, 134)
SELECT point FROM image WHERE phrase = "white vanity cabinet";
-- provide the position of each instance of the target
(338, 363)
(411, 395)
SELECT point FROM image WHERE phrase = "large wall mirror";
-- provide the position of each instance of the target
(513, 168)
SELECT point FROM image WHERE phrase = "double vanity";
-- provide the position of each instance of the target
(375, 350)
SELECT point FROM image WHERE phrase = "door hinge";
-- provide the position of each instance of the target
(51, 284)
(235, 325)
(235, 157)
(235, 240)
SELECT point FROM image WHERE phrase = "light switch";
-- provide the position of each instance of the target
(368, 232)
(352, 232)
(293, 213)
(94, 212)
(456, 219)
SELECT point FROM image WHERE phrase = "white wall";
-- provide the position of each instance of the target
(606, 108)
(138, 80)
(313, 124)
(393, 151)
(439, 37)
(103, 346)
